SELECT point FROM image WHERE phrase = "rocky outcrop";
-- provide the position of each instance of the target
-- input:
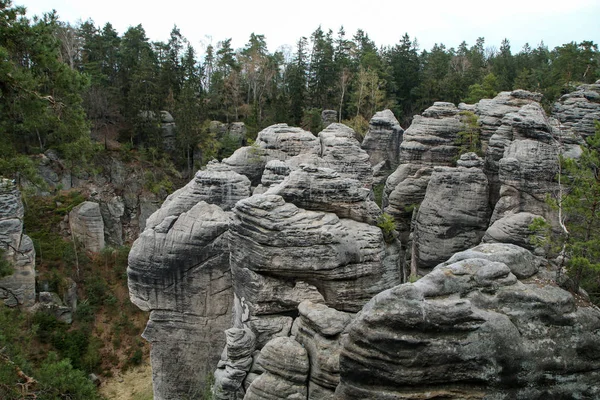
(17, 249)
(454, 214)
(335, 148)
(277, 241)
(431, 138)
(341, 152)
(578, 110)
(50, 303)
(471, 329)
(527, 173)
(328, 117)
(429, 141)
(286, 367)
(382, 140)
(513, 228)
(492, 111)
(274, 173)
(320, 329)
(235, 363)
(87, 226)
(527, 123)
(277, 142)
(112, 211)
(323, 189)
(216, 184)
(179, 270)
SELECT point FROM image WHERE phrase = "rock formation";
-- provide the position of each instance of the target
(179, 270)
(454, 214)
(277, 142)
(429, 141)
(323, 189)
(578, 110)
(478, 327)
(328, 117)
(17, 249)
(87, 226)
(293, 265)
(382, 140)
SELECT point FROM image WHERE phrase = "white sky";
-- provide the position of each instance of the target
(385, 21)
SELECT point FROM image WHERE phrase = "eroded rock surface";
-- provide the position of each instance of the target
(87, 226)
(382, 140)
(471, 330)
(454, 214)
(429, 141)
(179, 270)
(286, 366)
(578, 110)
(275, 240)
(323, 189)
(19, 287)
(320, 329)
(277, 142)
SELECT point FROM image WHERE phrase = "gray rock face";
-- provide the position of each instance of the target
(471, 329)
(329, 117)
(216, 184)
(274, 173)
(404, 191)
(429, 141)
(431, 138)
(50, 303)
(112, 212)
(235, 364)
(341, 152)
(513, 228)
(323, 189)
(492, 111)
(179, 270)
(529, 122)
(453, 216)
(275, 240)
(382, 141)
(18, 288)
(335, 148)
(578, 110)
(87, 226)
(526, 173)
(277, 142)
(238, 130)
(286, 365)
(319, 330)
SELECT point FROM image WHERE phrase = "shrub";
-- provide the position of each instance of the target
(387, 223)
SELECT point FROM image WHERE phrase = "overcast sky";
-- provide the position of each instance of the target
(283, 22)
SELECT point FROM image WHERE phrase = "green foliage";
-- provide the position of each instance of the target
(41, 105)
(485, 90)
(311, 120)
(58, 379)
(359, 124)
(227, 145)
(468, 137)
(387, 223)
(43, 216)
(579, 205)
(6, 267)
(378, 193)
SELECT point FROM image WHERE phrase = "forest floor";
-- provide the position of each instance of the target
(133, 384)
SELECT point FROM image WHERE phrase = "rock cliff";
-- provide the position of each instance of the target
(471, 329)
(17, 249)
(311, 293)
